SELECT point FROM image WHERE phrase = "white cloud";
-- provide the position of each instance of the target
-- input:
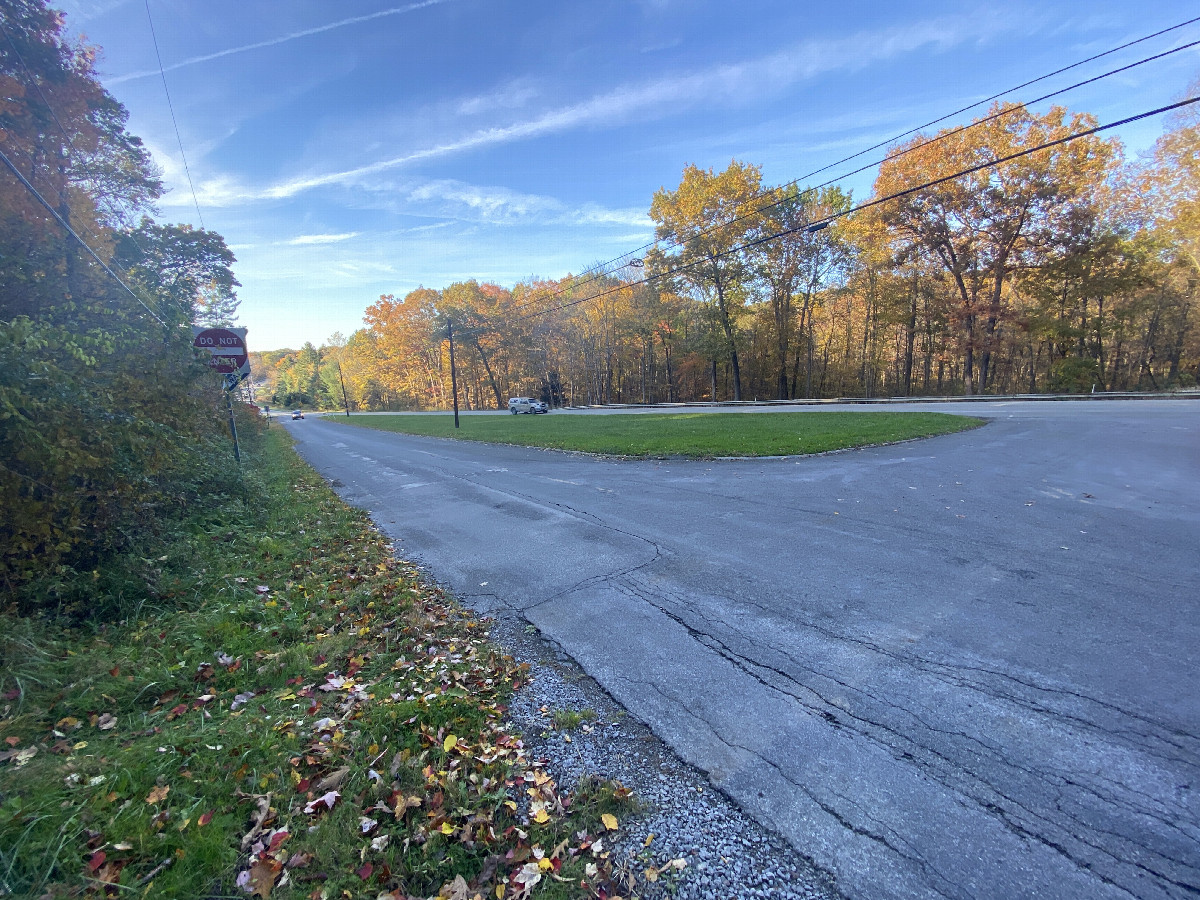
(735, 83)
(510, 96)
(499, 205)
(306, 239)
(283, 39)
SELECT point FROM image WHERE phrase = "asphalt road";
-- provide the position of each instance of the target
(963, 667)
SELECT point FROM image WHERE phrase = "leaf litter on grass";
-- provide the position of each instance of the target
(323, 725)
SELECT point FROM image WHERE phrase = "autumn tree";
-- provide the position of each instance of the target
(189, 270)
(702, 223)
(108, 423)
(984, 225)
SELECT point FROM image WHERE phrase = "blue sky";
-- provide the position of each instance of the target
(349, 149)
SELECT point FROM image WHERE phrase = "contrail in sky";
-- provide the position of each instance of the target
(394, 11)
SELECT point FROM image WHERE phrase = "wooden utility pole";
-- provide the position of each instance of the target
(345, 400)
(453, 373)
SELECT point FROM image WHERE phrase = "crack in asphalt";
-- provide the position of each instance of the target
(948, 673)
(890, 841)
(974, 783)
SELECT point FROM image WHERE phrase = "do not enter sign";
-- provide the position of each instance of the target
(227, 346)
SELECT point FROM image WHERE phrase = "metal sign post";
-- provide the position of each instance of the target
(231, 359)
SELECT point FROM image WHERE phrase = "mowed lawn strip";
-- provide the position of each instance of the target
(697, 435)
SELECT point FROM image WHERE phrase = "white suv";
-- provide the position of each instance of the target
(526, 405)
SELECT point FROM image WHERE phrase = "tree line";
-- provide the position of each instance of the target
(110, 428)
(1069, 269)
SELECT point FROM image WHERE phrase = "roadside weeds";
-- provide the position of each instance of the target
(290, 712)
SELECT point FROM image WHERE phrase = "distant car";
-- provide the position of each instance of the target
(297, 414)
(526, 405)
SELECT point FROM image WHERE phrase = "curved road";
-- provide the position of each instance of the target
(963, 667)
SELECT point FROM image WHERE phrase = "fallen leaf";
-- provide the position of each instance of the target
(13, 741)
(364, 871)
(610, 821)
(96, 861)
(159, 794)
(332, 781)
(450, 743)
(262, 876)
(325, 801)
(204, 819)
(106, 722)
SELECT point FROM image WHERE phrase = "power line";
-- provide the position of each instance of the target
(171, 107)
(607, 268)
(71, 231)
(827, 220)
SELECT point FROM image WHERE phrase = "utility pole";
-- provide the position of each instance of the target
(345, 401)
(453, 373)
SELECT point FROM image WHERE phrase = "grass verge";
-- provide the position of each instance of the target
(695, 435)
(286, 711)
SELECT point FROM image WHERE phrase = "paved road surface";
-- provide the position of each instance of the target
(964, 667)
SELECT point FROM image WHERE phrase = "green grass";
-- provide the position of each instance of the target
(694, 435)
(278, 652)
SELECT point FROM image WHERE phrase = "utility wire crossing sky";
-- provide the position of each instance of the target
(348, 156)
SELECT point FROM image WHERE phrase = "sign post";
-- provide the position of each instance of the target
(230, 359)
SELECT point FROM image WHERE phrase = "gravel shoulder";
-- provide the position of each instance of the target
(683, 815)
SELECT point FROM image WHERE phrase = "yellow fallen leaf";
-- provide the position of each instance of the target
(541, 817)
(649, 838)
(610, 821)
(450, 743)
(545, 865)
(159, 794)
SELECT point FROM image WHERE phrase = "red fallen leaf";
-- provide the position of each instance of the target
(364, 871)
(321, 658)
(205, 818)
(12, 741)
(114, 671)
(303, 785)
(177, 711)
(95, 861)
(276, 839)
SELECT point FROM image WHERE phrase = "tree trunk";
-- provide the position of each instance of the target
(728, 328)
(488, 368)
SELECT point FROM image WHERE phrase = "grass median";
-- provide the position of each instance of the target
(701, 435)
(280, 708)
